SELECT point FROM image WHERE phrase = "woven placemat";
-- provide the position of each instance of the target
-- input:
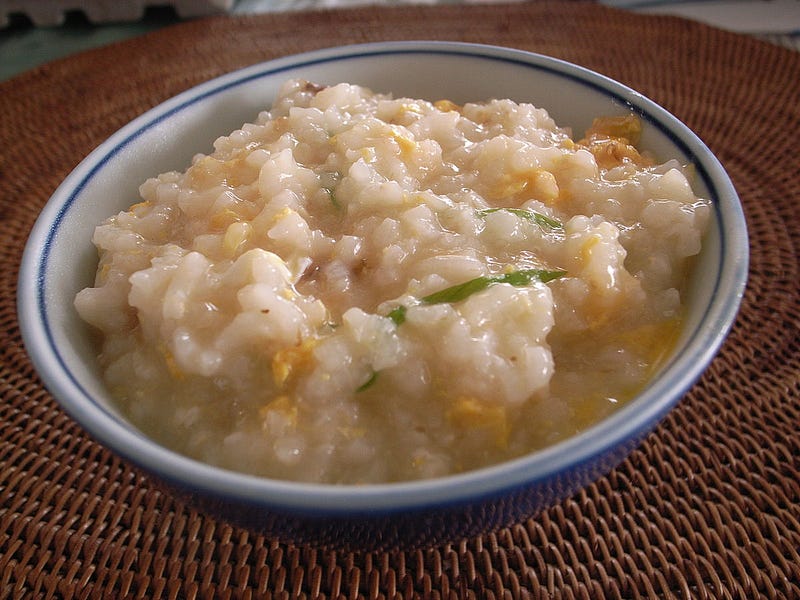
(707, 507)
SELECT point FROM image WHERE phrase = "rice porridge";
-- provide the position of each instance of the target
(356, 288)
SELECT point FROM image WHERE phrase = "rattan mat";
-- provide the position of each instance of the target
(707, 507)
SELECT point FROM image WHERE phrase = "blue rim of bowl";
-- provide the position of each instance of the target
(630, 422)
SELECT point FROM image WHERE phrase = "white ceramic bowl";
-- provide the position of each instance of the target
(60, 260)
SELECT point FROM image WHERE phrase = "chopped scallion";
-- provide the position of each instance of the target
(462, 291)
(398, 315)
(368, 383)
(534, 217)
(332, 196)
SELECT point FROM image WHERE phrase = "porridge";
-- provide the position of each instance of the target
(358, 288)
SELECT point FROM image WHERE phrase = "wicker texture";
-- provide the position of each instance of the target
(707, 507)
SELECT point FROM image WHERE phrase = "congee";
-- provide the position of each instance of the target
(359, 288)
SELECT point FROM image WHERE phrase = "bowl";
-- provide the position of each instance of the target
(60, 259)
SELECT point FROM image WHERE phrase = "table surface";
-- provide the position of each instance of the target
(707, 507)
(23, 45)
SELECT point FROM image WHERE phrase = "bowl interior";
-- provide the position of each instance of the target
(60, 258)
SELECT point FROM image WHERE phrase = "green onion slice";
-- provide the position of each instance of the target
(398, 315)
(368, 383)
(530, 215)
(464, 290)
(332, 195)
